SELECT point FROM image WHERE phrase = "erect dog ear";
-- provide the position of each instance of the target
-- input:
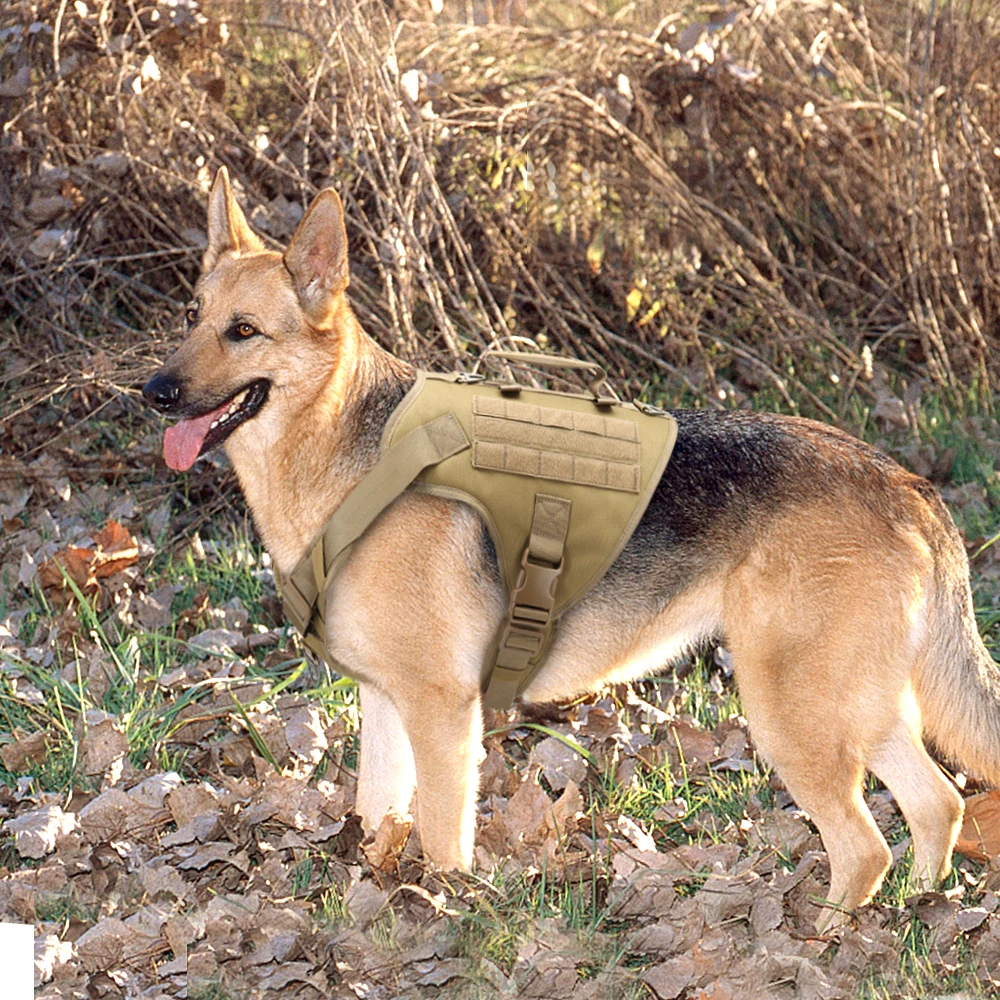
(317, 256)
(228, 230)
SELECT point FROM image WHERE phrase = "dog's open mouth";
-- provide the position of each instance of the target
(189, 438)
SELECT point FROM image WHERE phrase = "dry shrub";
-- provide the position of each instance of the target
(706, 207)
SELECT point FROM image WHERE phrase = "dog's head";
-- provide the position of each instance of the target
(260, 325)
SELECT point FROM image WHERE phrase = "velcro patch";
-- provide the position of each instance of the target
(562, 445)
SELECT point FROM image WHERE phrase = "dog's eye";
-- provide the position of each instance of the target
(191, 315)
(241, 329)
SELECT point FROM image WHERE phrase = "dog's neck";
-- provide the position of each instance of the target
(296, 466)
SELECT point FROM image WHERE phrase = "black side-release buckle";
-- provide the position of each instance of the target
(532, 602)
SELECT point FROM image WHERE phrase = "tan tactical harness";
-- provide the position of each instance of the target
(461, 437)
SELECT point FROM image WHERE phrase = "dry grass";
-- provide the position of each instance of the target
(743, 204)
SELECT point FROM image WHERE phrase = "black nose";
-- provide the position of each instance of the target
(162, 391)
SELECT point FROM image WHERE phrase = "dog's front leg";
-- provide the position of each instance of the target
(386, 774)
(415, 617)
(445, 727)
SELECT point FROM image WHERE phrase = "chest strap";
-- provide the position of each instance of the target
(302, 591)
(528, 628)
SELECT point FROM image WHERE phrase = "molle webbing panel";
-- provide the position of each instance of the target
(555, 444)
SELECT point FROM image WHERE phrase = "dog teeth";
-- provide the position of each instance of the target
(230, 410)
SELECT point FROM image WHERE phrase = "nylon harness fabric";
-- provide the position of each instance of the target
(392, 474)
(560, 480)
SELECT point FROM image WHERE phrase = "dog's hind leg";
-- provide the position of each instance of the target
(932, 806)
(386, 773)
(825, 777)
(859, 856)
(801, 663)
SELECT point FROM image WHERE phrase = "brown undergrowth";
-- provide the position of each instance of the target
(710, 203)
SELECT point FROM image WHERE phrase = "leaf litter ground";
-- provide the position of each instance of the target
(178, 786)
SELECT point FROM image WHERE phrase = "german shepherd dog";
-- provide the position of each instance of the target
(836, 579)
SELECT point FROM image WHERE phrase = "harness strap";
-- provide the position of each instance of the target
(529, 618)
(424, 446)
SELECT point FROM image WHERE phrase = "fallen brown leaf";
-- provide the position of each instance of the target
(114, 550)
(566, 811)
(668, 979)
(528, 810)
(305, 734)
(35, 832)
(31, 749)
(690, 746)
(384, 851)
(202, 856)
(50, 953)
(980, 836)
(560, 763)
(635, 834)
(364, 901)
(723, 898)
(115, 812)
(187, 802)
(111, 943)
(103, 743)
(153, 610)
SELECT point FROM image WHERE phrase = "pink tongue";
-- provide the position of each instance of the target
(182, 441)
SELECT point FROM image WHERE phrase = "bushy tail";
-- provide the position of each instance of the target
(958, 690)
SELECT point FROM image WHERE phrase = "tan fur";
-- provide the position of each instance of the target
(808, 598)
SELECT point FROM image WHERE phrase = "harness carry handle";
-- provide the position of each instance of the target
(597, 383)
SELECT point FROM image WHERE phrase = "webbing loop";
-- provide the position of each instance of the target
(526, 631)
